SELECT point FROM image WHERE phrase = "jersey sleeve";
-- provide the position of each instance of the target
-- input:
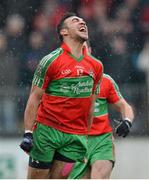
(114, 94)
(44, 71)
(41, 78)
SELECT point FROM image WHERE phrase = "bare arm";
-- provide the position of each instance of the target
(124, 108)
(32, 107)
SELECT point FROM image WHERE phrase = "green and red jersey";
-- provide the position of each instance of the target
(69, 83)
(109, 94)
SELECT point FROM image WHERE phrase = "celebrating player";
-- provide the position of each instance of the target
(100, 156)
(61, 101)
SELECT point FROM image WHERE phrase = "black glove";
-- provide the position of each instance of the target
(27, 142)
(123, 128)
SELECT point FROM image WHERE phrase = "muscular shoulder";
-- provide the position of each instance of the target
(108, 78)
(48, 59)
(108, 82)
(45, 62)
(112, 87)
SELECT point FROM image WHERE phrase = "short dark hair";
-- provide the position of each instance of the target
(61, 23)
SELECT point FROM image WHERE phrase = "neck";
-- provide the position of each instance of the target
(75, 47)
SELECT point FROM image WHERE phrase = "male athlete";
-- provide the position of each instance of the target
(61, 101)
(100, 156)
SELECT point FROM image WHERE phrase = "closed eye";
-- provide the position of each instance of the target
(75, 20)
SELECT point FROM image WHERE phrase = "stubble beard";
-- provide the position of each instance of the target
(81, 39)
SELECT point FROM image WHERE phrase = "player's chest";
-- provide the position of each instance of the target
(72, 68)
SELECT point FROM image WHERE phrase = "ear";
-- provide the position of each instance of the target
(64, 32)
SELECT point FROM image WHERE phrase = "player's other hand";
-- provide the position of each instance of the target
(123, 128)
(27, 142)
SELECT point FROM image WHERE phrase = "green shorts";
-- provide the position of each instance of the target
(47, 140)
(99, 148)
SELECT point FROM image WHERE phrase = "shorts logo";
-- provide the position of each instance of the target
(34, 161)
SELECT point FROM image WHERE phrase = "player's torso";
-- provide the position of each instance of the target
(67, 99)
(71, 77)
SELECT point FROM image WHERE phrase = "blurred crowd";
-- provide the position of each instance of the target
(119, 37)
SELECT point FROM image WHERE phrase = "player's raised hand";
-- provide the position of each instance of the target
(123, 128)
(27, 142)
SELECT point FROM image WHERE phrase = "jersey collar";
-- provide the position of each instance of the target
(65, 47)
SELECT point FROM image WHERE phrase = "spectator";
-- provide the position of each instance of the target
(15, 34)
(37, 49)
(16, 39)
(118, 63)
(143, 61)
(8, 81)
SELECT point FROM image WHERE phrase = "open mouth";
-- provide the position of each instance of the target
(82, 29)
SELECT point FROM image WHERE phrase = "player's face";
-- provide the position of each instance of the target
(76, 28)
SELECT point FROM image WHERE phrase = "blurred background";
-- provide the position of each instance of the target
(119, 37)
